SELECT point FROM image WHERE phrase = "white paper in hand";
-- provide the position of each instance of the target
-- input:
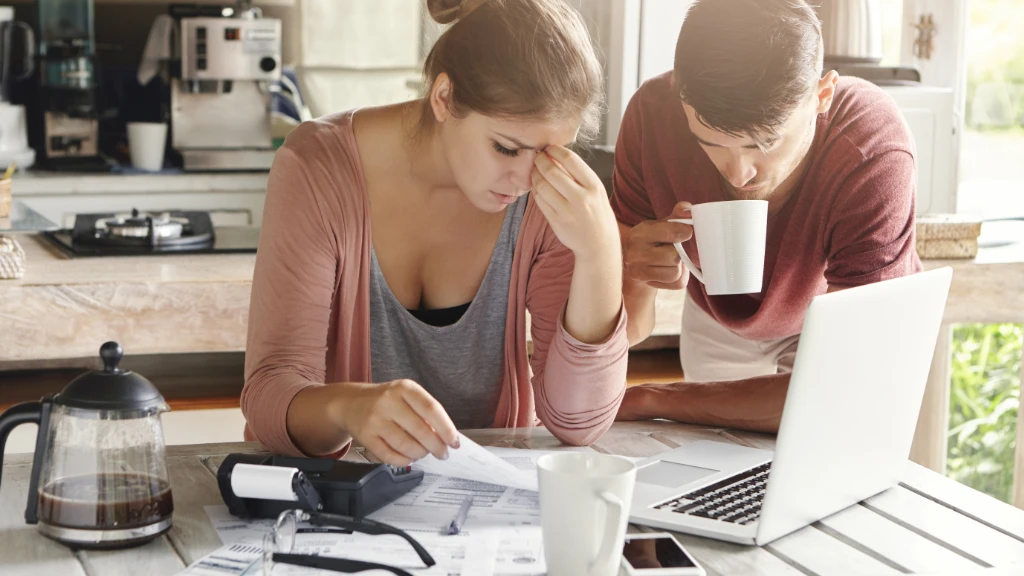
(473, 462)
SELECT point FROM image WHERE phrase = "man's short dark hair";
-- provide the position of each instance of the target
(745, 65)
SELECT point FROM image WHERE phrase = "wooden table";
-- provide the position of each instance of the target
(929, 524)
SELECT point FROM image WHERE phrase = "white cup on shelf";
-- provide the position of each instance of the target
(146, 141)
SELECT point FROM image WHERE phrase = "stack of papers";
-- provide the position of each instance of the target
(501, 535)
(474, 462)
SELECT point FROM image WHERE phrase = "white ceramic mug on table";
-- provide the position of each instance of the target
(730, 240)
(584, 508)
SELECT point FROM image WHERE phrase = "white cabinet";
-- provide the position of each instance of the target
(334, 90)
(928, 111)
(357, 53)
(357, 34)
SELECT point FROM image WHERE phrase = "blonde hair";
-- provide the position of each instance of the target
(530, 59)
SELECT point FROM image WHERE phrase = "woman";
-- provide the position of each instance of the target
(400, 251)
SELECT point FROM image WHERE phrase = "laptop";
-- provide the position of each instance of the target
(846, 429)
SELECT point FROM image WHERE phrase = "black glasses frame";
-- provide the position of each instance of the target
(348, 523)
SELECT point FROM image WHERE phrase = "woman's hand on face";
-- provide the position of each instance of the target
(398, 421)
(575, 203)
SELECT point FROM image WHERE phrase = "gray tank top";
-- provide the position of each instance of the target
(460, 365)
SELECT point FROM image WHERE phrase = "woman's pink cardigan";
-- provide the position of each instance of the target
(309, 320)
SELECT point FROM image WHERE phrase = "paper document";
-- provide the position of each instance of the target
(501, 534)
(465, 555)
(520, 552)
(431, 506)
(474, 462)
(235, 558)
(526, 460)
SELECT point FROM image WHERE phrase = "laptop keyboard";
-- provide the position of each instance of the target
(737, 499)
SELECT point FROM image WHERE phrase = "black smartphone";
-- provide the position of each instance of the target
(657, 554)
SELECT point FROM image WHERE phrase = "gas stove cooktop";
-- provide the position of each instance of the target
(152, 234)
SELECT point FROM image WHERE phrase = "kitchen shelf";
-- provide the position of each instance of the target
(34, 183)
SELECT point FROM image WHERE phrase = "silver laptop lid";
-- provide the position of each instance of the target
(853, 399)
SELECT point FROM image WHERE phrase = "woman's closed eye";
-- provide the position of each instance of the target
(505, 151)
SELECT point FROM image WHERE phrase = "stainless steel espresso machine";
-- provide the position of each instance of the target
(221, 99)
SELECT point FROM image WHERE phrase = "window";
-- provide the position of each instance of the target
(993, 136)
(986, 371)
(892, 31)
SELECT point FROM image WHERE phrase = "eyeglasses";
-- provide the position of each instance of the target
(279, 543)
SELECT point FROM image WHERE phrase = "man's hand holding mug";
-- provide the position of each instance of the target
(648, 252)
(730, 238)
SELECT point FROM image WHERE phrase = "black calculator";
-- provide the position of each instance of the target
(348, 488)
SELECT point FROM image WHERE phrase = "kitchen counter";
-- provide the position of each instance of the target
(39, 183)
(23, 218)
(64, 308)
(989, 288)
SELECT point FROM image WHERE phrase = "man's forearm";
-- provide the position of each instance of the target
(639, 299)
(754, 404)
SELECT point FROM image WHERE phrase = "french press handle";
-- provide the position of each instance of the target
(28, 413)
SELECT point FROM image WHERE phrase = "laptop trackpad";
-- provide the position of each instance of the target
(671, 474)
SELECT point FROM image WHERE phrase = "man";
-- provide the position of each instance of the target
(747, 113)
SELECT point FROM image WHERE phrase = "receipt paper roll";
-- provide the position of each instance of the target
(263, 482)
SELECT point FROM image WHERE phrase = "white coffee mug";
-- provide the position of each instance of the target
(584, 507)
(146, 141)
(730, 240)
(13, 130)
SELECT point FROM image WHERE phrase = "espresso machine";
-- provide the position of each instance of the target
(65, 125)
(229, 64)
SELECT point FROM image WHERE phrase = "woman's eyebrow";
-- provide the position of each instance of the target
(522, 146)
(518, 144)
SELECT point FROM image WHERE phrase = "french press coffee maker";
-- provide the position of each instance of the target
(99, 475)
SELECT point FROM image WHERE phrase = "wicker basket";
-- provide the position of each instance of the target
(12, 259)
(947, 236)
(5, 198)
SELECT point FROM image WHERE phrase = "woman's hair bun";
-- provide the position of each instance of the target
(448, 11)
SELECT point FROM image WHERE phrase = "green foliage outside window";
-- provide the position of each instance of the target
(983, 406)
(995, 66)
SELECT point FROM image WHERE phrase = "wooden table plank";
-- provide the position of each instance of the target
(156, 557)
(816, 552)
(630, 443)
(967, 501)
(941, 524)
(23, 550)
(505, 438)
(869, 531)
(193, 487)
(1006, 571)
(751, 439)
(677, 435)
(541, 439)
